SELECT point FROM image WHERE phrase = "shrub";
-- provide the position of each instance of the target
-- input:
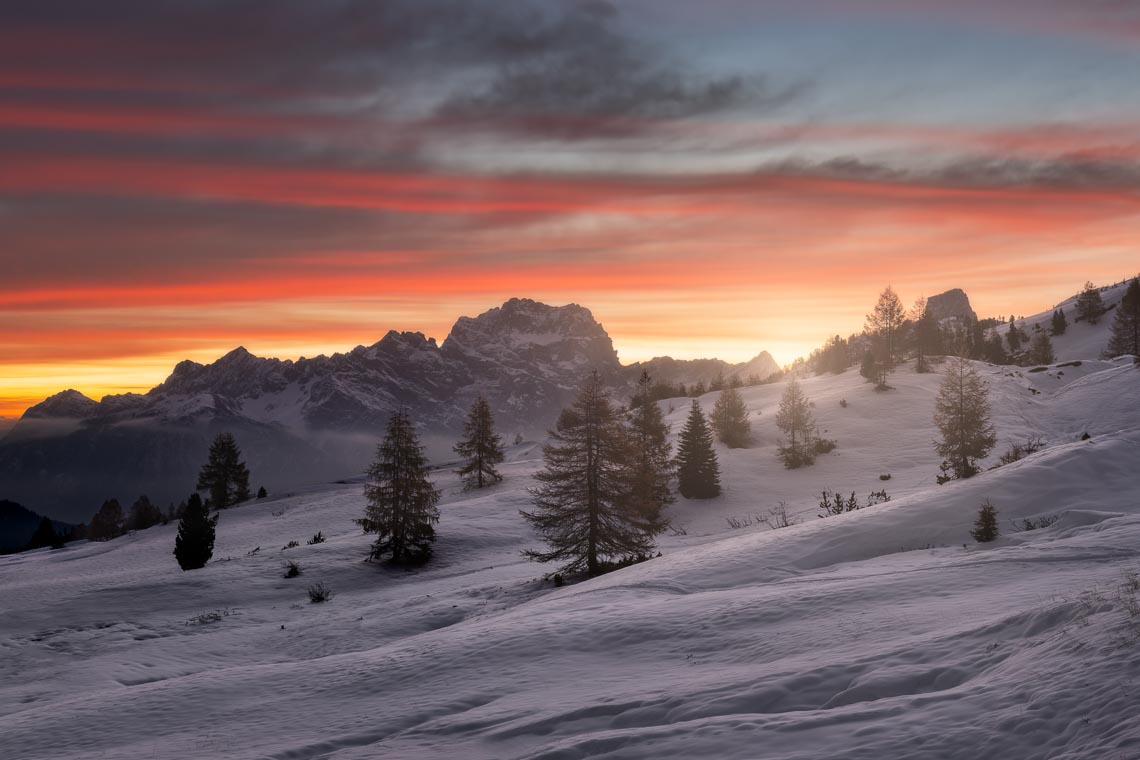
(1040, 522)
(986, 526)
(292, 569)
(877, 497)
(885, 477)
(319, 538)
(835, 504)
(824, 445)
(291, 545)
(778, 517)
(843, 403)
(262, 493)
(319, 592)
(1018, 451)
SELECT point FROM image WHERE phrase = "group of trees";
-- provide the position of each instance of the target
(226, 478)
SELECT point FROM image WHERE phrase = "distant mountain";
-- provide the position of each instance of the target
(18, 523)
(952, 303)
(310, 419)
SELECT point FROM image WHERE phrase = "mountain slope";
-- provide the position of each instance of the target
(881, 633)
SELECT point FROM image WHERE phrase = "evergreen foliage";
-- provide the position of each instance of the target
(962, 414)
(480, 446)
(986, 525)
(402, 502)
(107, 522)
(1090, 307)
(884, 323)
(1125, 336)
(730, 419)
(795, 420)
(698, 472)
(45, 535)
(194, 544)
(1014, 337)
(927, 336)
(1041, 349)
(582, 505)
(995, 350)
(144, 514)
(651, 452)
(1060, 323)
(224, 476)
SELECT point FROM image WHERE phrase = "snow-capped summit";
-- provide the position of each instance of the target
(68, 404)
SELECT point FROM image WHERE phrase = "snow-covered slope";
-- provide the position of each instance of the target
(1081, 340)
(885, 633)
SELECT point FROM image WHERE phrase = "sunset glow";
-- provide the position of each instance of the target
(175, 184)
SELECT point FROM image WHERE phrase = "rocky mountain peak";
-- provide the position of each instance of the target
(952, 303)
(68, 404)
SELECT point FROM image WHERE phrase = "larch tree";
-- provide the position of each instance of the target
(730, 419)
(795, 420)
(884, 323)
(1090, 306)
(651, 454)
(224, 475)
(698, 472)
(480, 446)
(962, 414)
(1041, 349)
(1125, 336)
(194, 544)
(402, 506)
(583, 508)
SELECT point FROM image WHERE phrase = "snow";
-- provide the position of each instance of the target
(1081, 340)
(884, 633)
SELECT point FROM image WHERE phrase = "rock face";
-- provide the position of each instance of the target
(952, 303)
(309, 419)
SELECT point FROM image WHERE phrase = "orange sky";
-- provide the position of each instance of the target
(177, 183)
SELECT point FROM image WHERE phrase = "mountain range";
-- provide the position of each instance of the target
(318, 418)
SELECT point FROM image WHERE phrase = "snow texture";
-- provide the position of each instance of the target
(882, 633)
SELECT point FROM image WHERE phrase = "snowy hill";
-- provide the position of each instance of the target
(884, 633)
(317, 419)
(1081, 339)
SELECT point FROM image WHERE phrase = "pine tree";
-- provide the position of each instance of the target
(1125, 337)
(698, 472)
(144, 514)
(986, 526)
(730, 419)
(582, 505)
(962, 414)
(1060, 324)
(45, 535)
(795, 420)
(651, 463)
(1089, 304)
(1041, 349)
(225, 476)
(995, 350)
(481, 446)
(194, 544)
(1014, 337)
(402, 503)
(884, 323)
(107, 522)
(927, 335)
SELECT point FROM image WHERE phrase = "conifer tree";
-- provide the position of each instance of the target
(698, 472)
(1041, 349)
(1060, 323)
(194, 544)
(730, 419)
(45, 535)
(481, 446)
(927, 335)
(1089, 304)
(402, 502)
(986, 526)
(884, 323)
(107, 522)
(225, 476)
(1014, 337)
(651, 450)
(1125, 337)
(144, 514)
(795, 420)
(962, 414)
(582, 505)
(995, 350)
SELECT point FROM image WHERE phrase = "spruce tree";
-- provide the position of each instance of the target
(1060, 324)
(884, 323)
(144, 514)
(995, 350)
(986, 526)
(1041, 349)
(795, 419)
(107, 522)
(225, 476)
(1125, 337)
(1014, 337)
(962, 414)
(402, 502)
(45, 535)
(194, 544)
(583, 508)
(927, 335)
(481, 446)
(1089, 304)
(698, 472)
(651, 462)
(730, 419)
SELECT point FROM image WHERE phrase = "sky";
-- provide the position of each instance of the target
(710, 179)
